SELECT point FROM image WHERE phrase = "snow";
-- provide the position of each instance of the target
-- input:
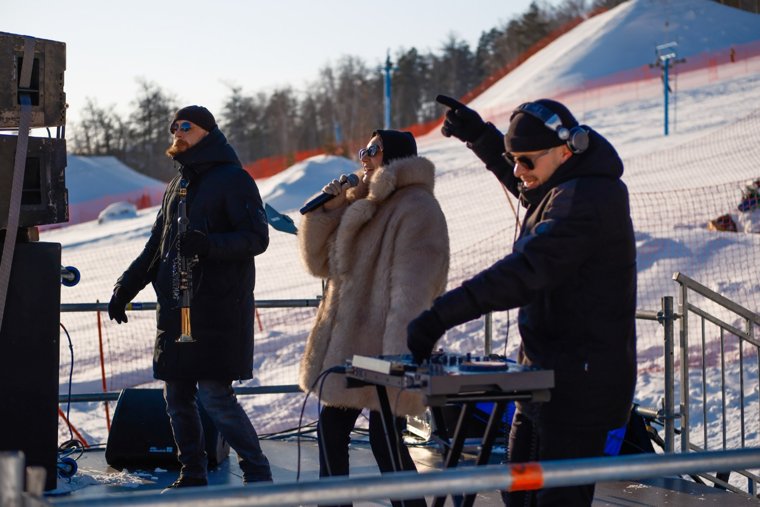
(93, 183)
(712, 150)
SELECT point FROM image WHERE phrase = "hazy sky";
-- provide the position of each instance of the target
(195, 49)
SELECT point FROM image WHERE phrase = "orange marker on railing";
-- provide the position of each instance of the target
(526, 477)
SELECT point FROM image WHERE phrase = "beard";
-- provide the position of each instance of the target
(177, 147)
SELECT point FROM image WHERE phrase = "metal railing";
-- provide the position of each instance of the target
(452, 481)
(260, 303)
(668, 414)
(719, 351)
(144, 306)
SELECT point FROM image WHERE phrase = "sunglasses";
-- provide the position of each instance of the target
(369, 152)
(526, 162)
(185, 126)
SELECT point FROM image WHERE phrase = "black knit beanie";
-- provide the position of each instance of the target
(396, 144)
(196, 114)
(528, 133)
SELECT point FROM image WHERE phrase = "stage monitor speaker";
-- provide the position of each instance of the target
(425, 426)
(46, 86)
(29, 345)
(44, 198)
(141, 435)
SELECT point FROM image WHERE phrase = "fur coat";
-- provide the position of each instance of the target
(385, 256)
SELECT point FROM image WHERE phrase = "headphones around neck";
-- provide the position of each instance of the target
(576, 138)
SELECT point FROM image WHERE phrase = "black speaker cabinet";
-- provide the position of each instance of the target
(44, 198)
(426, 427)
(141, 435)
(29, 356)
(45, 88)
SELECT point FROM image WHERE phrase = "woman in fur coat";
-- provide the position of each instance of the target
(383, 247)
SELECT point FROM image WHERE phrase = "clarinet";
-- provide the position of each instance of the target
(184, 271)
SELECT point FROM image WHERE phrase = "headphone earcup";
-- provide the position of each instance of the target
(578, 140)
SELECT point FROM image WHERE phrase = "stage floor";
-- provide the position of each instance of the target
(95, 478)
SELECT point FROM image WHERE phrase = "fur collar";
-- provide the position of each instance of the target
(399, 173)
(366, 199)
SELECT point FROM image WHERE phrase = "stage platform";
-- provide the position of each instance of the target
(95, 478)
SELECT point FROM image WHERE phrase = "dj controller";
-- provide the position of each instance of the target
(448, 375)
(447, 380)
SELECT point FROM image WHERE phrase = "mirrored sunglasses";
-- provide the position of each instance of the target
(185, 126)
(369, 152)
(526, 162)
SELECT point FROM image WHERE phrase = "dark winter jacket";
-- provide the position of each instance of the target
(572, 273)
(223, 202)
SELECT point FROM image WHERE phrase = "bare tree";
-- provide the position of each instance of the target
(410, 80)
(281, 116)
(149, 129)
(99, 132)
(241, 120)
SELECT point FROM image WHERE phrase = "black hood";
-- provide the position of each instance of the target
(396, 144)
(211, 151)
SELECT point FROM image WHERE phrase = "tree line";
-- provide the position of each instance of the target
(343, 105)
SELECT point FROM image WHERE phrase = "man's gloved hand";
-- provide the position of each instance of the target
(422, 333)
(194, 243)
(117, 307)
(461, 121)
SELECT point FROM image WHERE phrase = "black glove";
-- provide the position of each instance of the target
(422, 333)
(117, 307)
(461, 121)
(194, 243)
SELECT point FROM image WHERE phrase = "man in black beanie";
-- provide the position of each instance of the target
(226, 228)
(572, 274)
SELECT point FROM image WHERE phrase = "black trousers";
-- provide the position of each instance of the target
(531, 441)
(334, 435)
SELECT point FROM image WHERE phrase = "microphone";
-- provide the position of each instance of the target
(352, 180)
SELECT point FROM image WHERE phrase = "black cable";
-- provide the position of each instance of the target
(66, 461)
(298, 440)
(289, 432)
(506, 337)
(70, 447)
(334, 369)
(71, 376)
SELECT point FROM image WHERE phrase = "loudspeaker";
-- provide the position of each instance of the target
(141, 435)
(44, 198)
(46, 85)
(29, 345)
(576, 138)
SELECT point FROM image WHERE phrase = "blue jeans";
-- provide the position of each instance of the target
(219, 400)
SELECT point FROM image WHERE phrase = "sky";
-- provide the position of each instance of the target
(676, 184)
(195, 50)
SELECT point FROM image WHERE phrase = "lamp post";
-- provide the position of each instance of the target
(666, 53)
(387, 102)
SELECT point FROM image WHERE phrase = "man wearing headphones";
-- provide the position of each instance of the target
(572, 273)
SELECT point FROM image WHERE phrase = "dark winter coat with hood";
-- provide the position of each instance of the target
(572, 273)
(223, 201)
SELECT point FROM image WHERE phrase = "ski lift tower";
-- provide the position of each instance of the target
(666, 55)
